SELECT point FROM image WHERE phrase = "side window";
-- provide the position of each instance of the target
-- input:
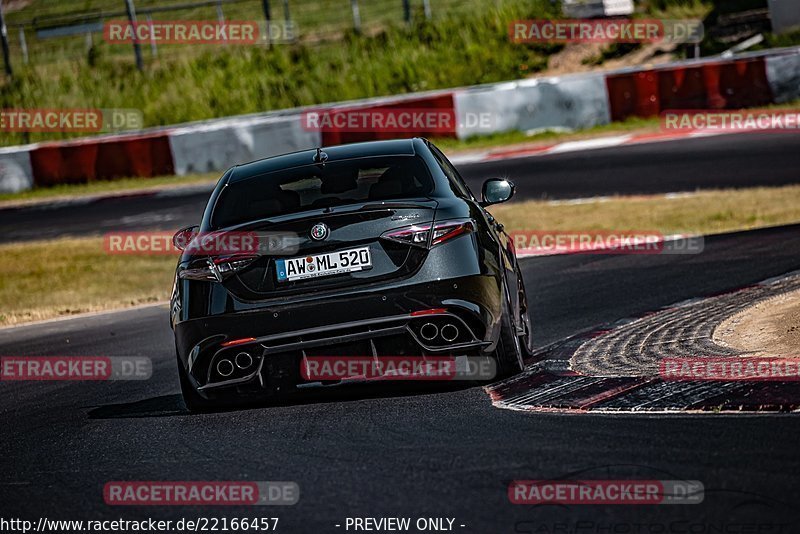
(455, 179)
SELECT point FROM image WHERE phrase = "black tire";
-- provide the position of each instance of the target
(509, 353)
(526, 340)
(191, 398)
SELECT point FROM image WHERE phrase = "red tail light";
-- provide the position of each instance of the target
(429, 235)
(447, 230)
(216, 268)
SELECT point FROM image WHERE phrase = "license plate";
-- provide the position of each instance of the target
(343, 261)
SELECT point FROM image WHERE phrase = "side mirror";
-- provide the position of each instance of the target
(496, 190)
(184, 236)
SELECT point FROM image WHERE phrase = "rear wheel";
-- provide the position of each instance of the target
(509, 352)
(526, 339)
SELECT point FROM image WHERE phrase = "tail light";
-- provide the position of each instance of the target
(216, 268)
(431, 234)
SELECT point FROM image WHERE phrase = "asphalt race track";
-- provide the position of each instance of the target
(397, 450)
(740, 160)
(428, 451)
(726, 161)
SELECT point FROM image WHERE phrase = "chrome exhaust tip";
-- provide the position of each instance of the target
(243, 360)
(449, 332)
(225, 368)
(429, 331)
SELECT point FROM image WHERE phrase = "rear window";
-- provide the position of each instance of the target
(314, 186)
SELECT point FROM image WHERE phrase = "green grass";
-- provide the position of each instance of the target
(314, 19)
(612, 51)
(680, 9)
(464, 49)
(69, 276)
(703, 212)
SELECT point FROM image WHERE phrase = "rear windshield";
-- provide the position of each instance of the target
(315, 186)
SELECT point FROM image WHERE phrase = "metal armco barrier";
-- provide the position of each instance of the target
(15, 170)
(712, 85)
(783, 73)
(439, 102)
(572, 102)
(221, 144)
(87, 160)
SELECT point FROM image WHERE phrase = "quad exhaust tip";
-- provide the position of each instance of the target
(449, 332)
(225, 368)
(429, 331)
(243, 360)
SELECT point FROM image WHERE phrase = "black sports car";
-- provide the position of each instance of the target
(383, 251)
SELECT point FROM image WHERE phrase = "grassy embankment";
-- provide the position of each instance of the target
(469, 47)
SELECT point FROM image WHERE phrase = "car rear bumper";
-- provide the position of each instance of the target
(385, 321)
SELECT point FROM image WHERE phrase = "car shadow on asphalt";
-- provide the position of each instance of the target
(172, 405)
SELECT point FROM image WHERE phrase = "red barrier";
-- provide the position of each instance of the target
(634, 94)
(687, 88)
(719, 85)
(441, 102)
(724, 85)
(745, 84)
(104, 159)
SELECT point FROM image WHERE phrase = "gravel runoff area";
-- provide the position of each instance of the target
(769, 327)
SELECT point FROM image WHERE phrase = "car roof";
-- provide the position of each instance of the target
(394, 147)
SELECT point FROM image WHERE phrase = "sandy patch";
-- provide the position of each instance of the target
(768, 328)
(571, 59)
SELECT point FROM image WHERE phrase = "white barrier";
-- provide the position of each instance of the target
(570, 102)
(783, 73)
(15, 169)
(584, 9)
(216, 146)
